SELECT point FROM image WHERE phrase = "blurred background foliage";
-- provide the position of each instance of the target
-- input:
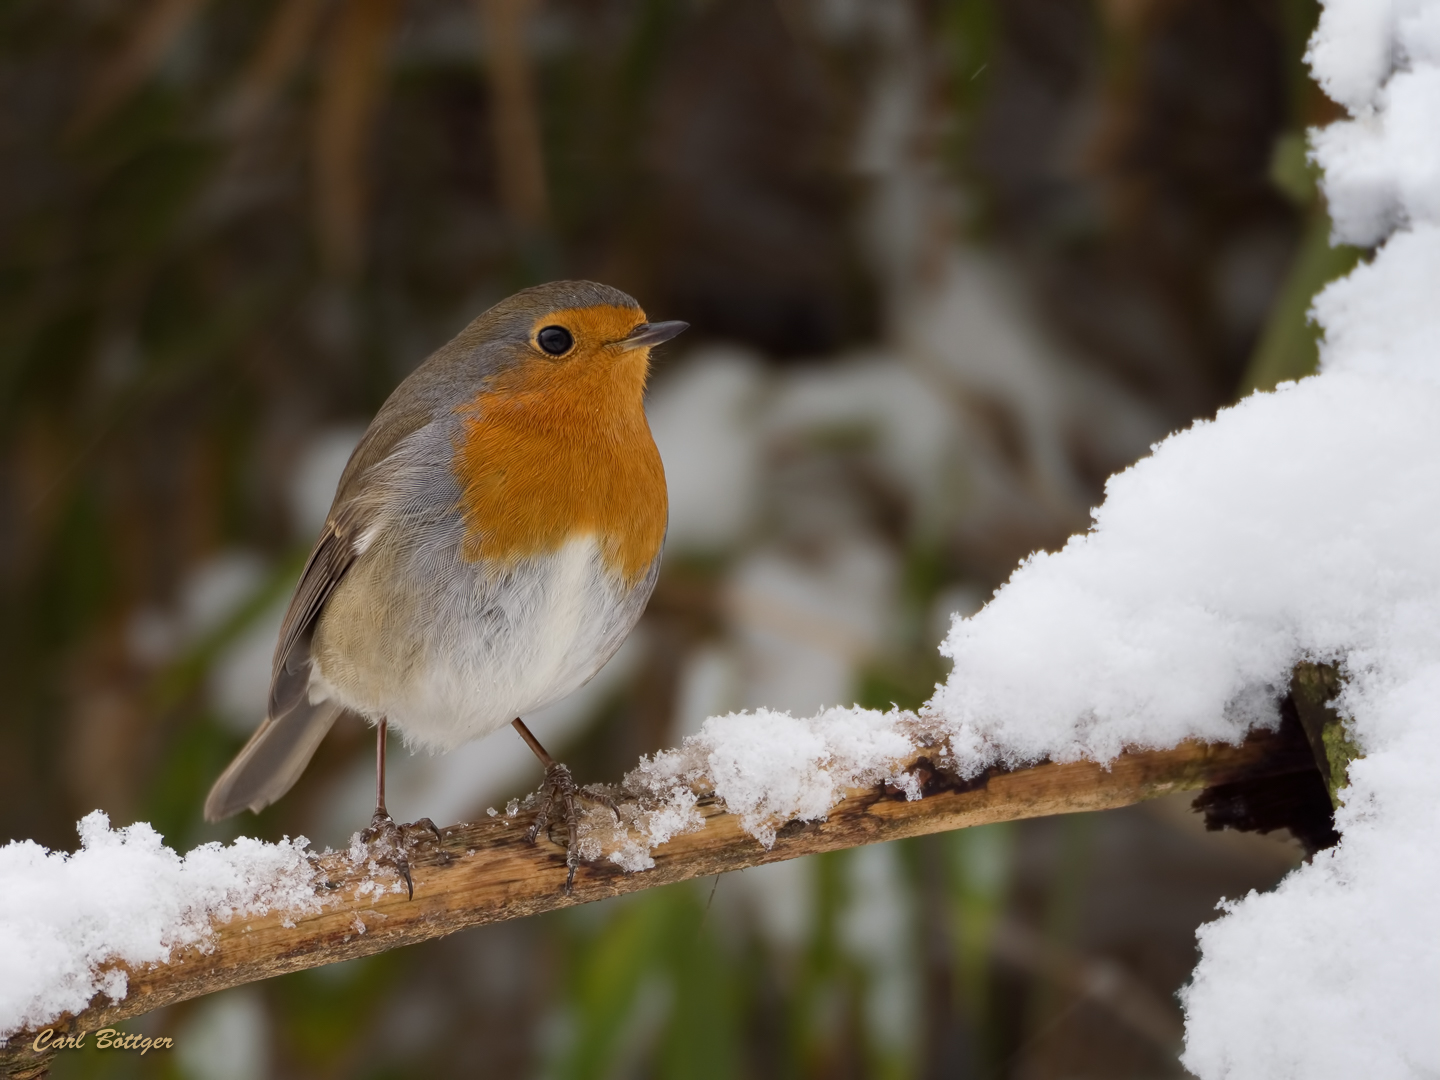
(949, 264)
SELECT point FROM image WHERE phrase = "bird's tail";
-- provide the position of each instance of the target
(272, 760)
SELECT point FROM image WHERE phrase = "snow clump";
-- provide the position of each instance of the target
(124, 897)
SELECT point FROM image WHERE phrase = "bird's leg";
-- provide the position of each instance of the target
(380, 732)
(560, 789)
(391, 841)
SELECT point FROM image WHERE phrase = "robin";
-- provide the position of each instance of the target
(494, 538)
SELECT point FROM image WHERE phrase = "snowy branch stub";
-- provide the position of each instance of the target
(1313, 688)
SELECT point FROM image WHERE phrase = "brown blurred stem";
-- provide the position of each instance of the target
(155, 29)
(282, 49)
(487, 872)
(349, 98)
(514, 115)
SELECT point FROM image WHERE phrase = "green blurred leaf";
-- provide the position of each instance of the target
(1289, 345)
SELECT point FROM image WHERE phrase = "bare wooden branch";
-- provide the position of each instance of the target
(486, 872)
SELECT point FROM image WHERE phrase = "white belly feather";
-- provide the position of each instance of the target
(559, 629)
(477, 651)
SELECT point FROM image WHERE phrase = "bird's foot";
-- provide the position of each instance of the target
(560, 800)
(391, 843)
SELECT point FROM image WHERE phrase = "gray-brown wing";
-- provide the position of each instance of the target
(282, 746)
(290, 671)
(293, 727)
(409, 409)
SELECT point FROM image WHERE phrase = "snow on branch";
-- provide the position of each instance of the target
(220, 917)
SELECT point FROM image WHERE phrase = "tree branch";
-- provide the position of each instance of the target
(486, 872)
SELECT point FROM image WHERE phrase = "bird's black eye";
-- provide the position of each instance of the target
(555, 340)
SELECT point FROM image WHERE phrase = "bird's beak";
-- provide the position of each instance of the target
(654, 333)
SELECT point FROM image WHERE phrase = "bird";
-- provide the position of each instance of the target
(493, 539)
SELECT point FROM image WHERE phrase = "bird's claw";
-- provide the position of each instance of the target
(390, 842)
(560, 789)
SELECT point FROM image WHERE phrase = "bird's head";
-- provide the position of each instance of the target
(571, 333)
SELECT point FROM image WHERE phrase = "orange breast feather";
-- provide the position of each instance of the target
(555, 450)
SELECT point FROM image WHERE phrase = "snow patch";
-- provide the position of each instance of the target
(124, 897)
(771, 768)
